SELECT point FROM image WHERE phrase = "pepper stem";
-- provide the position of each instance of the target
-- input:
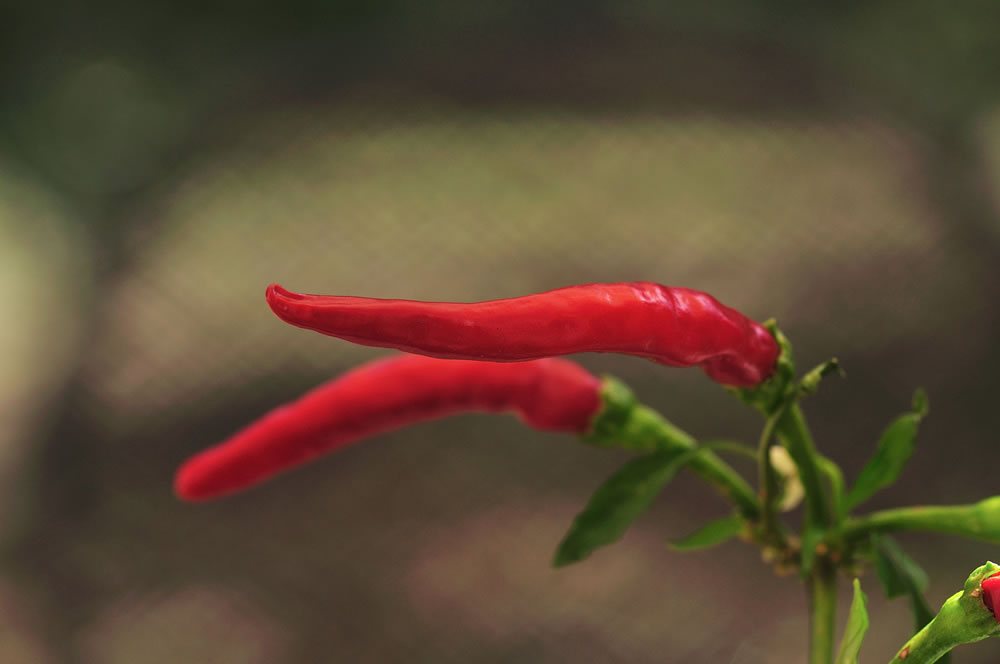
(974, 520)
(794, 431)
(963, 618)
(822, 612)
(625, 423)
(768, 481)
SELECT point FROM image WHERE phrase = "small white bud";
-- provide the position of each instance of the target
(792, 491)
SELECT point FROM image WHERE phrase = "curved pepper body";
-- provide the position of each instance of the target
(550, 394)
(672, 326)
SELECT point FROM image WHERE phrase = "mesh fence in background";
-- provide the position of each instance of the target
(433, 544)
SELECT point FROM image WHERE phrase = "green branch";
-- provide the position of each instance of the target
(794, 434)
(963, 618)
(822, 612)
(978, 521)
(625, 423)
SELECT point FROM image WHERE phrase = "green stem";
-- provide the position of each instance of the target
(931, 643)
(627, 424)
(822, 612)
(794, 433)
(707, 465)
(963, 618)
(710, 467)
(768, 480)
(977, 520)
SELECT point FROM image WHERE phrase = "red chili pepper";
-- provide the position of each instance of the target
(991, 594)
(550, 394)
(672, 326)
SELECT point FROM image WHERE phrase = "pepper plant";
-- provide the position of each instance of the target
(498, 356)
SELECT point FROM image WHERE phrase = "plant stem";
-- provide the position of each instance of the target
(717, 472)
(768, 481)
(794, 432)
(963, 618)
(822, 612)
(644, 422)
(975, 520)
(630, 425)
(928, 645)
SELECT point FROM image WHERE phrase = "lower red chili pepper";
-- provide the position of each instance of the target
(991, 594)
(672, 326)
(549, 394)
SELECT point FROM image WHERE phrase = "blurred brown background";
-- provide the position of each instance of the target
(161, 162)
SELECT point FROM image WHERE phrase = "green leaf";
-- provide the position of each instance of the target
(894, 449)
(901, 575)
(709, 535)
(618, 502)
(921, 404)
(857, 626)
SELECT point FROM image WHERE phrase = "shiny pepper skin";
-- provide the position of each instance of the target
(672, 326)
(549, 394)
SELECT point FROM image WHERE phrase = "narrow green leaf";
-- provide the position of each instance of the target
(618, 502)
(894, 449)
(709, 535)
(857, 626)
(920, 404)
(901, 575)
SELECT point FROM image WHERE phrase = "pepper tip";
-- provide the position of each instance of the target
(279, 299)
(189, 485)
(991, 593)
(277, 291)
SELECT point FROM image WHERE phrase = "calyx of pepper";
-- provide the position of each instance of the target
(623, 422)
(772, 394)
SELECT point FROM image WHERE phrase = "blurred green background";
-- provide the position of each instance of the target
(161, 162)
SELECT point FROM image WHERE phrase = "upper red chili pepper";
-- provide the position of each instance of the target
(550, 394)
(672, 326)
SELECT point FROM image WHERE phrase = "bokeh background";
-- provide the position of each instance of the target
(160, 162)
